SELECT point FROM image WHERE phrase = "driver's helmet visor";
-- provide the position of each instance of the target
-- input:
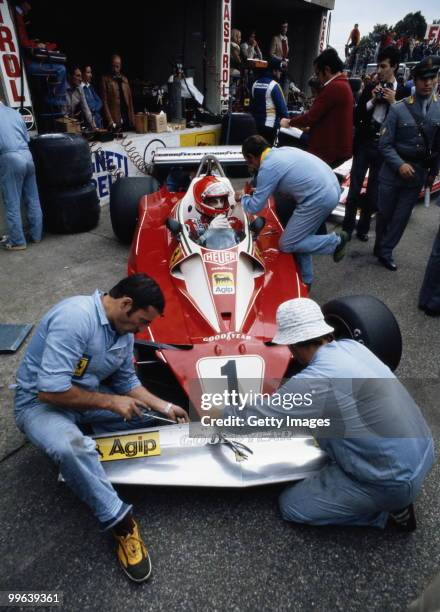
(217, 202)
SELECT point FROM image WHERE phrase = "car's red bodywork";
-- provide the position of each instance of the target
(228, 335)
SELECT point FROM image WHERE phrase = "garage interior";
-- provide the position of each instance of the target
(152, 37)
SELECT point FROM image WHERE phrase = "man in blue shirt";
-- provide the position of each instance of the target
(79, 343)
(379, 445)
(94, 102)
(268, 105)
(314, 187)
(17, 181)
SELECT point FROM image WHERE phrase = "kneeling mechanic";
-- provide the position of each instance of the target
(79, 343)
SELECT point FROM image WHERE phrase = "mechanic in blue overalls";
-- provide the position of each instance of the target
(17, 181)
(268, 105)
(314, 187)
(379, 445)
(79, 343)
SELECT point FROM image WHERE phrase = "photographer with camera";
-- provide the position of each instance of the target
(410, 158)
(370, 113)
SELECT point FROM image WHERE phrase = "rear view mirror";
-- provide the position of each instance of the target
(256, 226)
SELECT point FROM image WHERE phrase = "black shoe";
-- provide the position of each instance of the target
(404, 519)
(429, 311)
(376, 251)
(362, 237)
(387, 263)
(340, 250)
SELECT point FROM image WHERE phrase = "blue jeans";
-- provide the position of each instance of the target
(17, 181)
(56, 431)
(300, 237)
(331, 497)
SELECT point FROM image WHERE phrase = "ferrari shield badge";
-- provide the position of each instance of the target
(81, 366)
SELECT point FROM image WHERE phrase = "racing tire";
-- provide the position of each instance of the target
(367, 320)
(125, 194)
(242, 126)
(71, 211)
(61, 160)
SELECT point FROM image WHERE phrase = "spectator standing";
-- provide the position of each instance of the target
(116, 97)
(405, 143)
(17, 181)
(94, 102)
(279, 46)
(330, 118)
(279, 49)
(235, 58)
(370, 113)
(76, 105)
(354, 37)
(267, 103)
(429, 298)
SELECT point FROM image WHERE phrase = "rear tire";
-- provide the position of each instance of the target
(61, 160)
(369, 321)
(125, 194)
(72, 210)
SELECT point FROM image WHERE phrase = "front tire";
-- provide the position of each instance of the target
(367, 320)
(125, 194)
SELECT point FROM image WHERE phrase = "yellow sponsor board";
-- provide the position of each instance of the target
(129, 446)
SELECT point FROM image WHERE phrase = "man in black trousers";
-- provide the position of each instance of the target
(370, 113)
(429, 299)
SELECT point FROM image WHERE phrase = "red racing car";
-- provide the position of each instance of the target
(222, 288)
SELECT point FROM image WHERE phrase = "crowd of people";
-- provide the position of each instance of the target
(392, 132)
(411, 48)
(71, 92)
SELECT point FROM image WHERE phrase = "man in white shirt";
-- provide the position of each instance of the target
(370, 113)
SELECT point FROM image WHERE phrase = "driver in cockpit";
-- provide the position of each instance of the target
(211, 198)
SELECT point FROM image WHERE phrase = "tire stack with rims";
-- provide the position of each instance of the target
(64, 174)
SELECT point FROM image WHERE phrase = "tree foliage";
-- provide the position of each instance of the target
(413, 24)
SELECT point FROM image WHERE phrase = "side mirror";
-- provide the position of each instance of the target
(174, 226)
(256, 226)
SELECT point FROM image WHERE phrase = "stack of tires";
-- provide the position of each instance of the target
(64, 171)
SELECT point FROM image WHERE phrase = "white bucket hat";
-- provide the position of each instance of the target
(299, 320)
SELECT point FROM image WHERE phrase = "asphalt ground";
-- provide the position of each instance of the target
(211, 549)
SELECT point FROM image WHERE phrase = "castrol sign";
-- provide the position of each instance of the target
(224, 63)
(10, 70)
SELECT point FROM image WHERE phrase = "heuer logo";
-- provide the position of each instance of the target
(219, 257)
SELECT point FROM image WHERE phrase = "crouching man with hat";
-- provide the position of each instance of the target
(379, 446)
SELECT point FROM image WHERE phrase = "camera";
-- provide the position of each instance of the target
(384, 85)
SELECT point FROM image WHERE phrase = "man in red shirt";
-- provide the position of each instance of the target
(355, 36)
(331, 117)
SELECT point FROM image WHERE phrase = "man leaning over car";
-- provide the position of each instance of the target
(79, 343)
(379, 446)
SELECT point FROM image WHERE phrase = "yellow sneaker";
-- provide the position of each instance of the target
(133, 555)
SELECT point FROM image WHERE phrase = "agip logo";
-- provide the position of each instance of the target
(223, 283)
